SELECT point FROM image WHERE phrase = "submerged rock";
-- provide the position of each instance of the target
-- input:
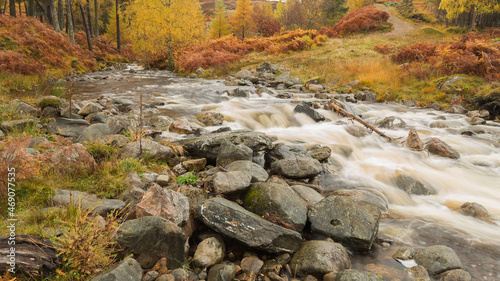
(320, 257)
(413, 186)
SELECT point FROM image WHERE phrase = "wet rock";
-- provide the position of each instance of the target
(364, 196)
(475, 121)
(195, 164)
(357, 131)
(455, 275)
(96, 118)
(320, 257)
(440, 148)
(475, 210)
(208, 146)
(24, 108)
(165, 203)
(297, 167)
(276, 201)
(413, 186)
(238, 93)
(18, 125)
(161, 123)
(320, 153)
(283, 151)
(68, 127)
(235, 222)
(50, 112)
(413, 141)
(446, 124)
(122, 101)
(391, 122)
(209, 252)
(114, 140)
(93, 133)
(345, 106)
(354, 274)
(284, 96)
(266, 66)
(437, 259)
(210, 118)
(231, 182)
(119, 125)
(434, 106)
(183, 126)
(251, 263)
(309, 195)
(127, 270)
(353, 223)
(151, 238)
(367, 96)
(457, 109)
(243, 74)
(485, 114)
(304, 108)
(90, 108)
(229, 153)
(150, 148)
(417, 273)
(343, 150)
(87, 202)
(222, 272)
(256, 171)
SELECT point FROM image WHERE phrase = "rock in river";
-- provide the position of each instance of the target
(440, 148)
(320, 257)
(438, 259)
(297, 167)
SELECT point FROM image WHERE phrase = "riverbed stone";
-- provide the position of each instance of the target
(208, 146)
(266, 66)
(150, 148)
(297, 167)
(320, 152)
(353, 223)
(93, 133)
(255, 170)
(413, 141)
(150, 239)
(364, 196)
(68, 127)
(476, 210)
(320, 257)
(165, 203)
(233, 221)
(231, 182)
(229, 153)
(222, 272)
(161, 123)
(18, 125)
(183, 126)
(355, 274)
(114, 140)
(283, 77)
(119, 125)
(24, 108)
(273, 199)
(127, 270)
(243, 74)
(438, 147)
(307, 110)
(357, 131)
(251, 264)
(50, 112)
(210, 118)
(285, 151)
(181, 274)
(90, 108)
(438, 259)
(412, 186)
(87, 202)
(475, 121)
(309, 195)
(455, 275)
(391, 122)
(417, 273)
(122, 101)
(209, 252)
(97, 117)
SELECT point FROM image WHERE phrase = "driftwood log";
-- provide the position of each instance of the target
(34, 256)
(340, 110)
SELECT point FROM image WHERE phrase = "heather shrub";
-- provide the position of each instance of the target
(384, 48)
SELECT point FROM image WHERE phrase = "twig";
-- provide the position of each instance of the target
(140, 123)
(345, 113)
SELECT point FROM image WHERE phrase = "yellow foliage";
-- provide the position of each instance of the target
(220, 26)
(242, 20)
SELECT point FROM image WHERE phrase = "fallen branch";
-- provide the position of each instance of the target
(347, 114)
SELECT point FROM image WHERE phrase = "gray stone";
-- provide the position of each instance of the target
(200, 71)
(391, 122)
(38, 141)
(209, 252)
(365, 196)
(161, 123)
(367, 96)
(96, 118)
(438, 147)
(355, 274)
(448, 84)
(93, 133)
(166, 277)
(24, 108)
(251, 264)
(127, 270)
(65, 113)
(413, 141)
(320, 257)
(417, 273)
(457, 109)
(149, 148)
(309, 195)
(297, 167)
(150, 239)
(256, 171)
(231, 182)
(30, 151)
(315, 87)
(346, 106)
(243, 74)
(17, 125)
(87, 202)
(455, 275)
(435, 106)
(285, 76)
(266, 66)
(183, 126)
(283, 151)
(413, 186)
(437, 259)
(90, 108)
(357, 131)
(163, 180)
(50, 112)
(485, 114)
(2, 134)
(119, 125)
(122, 101)
(235, 222)
(230, 153)
(68, 127)
(114, 140)
(222, 272)
(304, 108)
(476, 121)
(445, 124)
(272, 199)
(210, 118)
(149, 176)
(353, 223)
(238, 93)
(150, 275)
(476, 210)
(180, 274)
(320, 153)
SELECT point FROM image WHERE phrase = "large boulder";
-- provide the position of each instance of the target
(438, 147)
(367, 196)
(68, 127)
(297, 167)
(353, 223)
(127, 270)
(164, 203)
(277, 200)
(413, 186)
(355, 274)
(266, 66)
(231, 182)
(24, 108)
(437, 259)
(210, 118)
(150, 148)
(90, 108)
(230, 153)
(307, 110)
(209, 252)
(284, 151)
(93, 133)
(87, 201)
(309, 195)
(243, 74)
(233, 221)
(208, 145)
(256, 171)
(150, 239)
(320, 257)
(183, 126)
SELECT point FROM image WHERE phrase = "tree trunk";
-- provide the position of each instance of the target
(89, 20)
(20, 10)
(4, 7)
(69, 21)
(474, 17)
(12, 6)
(171, 62)
(96, 17)
(60, 13)
(55, 18)
(118, 43)
(44, 11)
(87, 29)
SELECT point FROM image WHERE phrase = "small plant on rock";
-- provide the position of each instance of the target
(188, 178)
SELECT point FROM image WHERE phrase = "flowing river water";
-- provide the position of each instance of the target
(416, 221)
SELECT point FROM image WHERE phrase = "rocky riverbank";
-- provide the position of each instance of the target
(248, 206)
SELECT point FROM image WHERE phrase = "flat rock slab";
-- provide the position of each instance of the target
(87, 201)
(68, 127)
(127, 270)
(233, 221)
(353, 223)
(149, 148)
(18, 125)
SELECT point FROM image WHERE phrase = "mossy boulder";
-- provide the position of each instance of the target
(489, 99)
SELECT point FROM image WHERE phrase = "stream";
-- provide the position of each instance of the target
(415, 221)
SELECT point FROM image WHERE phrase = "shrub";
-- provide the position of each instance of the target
(384, 48)
(49, 102)
(188, 178)
(101, 152)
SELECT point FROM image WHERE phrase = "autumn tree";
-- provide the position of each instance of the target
(265, 23)
(159, 27)
(454, 8)
(290, 14)
(220, 26)
(242, 21)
